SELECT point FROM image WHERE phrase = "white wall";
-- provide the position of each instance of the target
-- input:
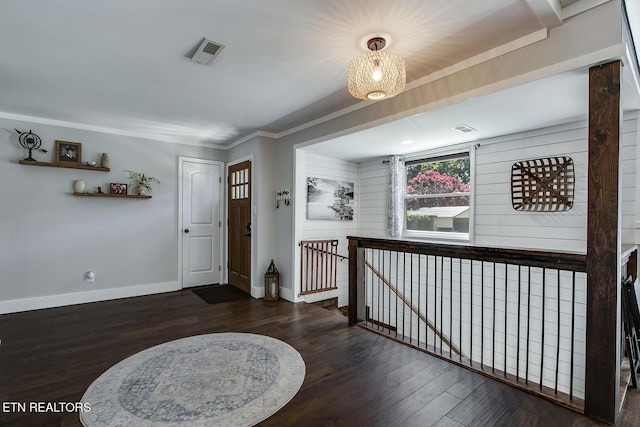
(49, 239)
(374, 198)
(498, 224)
(629, 178)
(338, 170)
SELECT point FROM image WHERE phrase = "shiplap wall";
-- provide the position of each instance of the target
(374, 199)
(337, 170)
(629, 170)
(496, 222)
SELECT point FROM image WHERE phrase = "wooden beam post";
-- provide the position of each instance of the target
(632, 266)
(356, 281)
(353, 281)
(602, 382)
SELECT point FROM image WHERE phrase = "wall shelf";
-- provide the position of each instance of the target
(124, 196)
(65, 165)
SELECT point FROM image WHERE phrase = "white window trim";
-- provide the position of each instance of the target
(446, 236)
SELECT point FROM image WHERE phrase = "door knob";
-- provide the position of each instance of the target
(186, 230)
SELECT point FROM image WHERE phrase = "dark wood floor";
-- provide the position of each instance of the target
(354, 377)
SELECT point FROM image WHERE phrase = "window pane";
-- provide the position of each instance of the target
(439, 177)
(438, 195)
(438, 214)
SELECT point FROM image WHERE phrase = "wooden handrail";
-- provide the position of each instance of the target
(323, 250)
(543, 259)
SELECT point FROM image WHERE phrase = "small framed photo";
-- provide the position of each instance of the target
(118, 188)
(68, 152)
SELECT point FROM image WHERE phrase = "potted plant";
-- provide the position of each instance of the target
(142, 182)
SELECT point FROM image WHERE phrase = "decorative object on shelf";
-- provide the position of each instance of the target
(272, 283)
(142, 182)
(116, 188)
(543, 185)
(104, 160)
(69, 152)
(377, 74)
(100, 190)
(92, 164)
(79, 186)
(30, 141)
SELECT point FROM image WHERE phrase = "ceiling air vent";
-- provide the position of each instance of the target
(463, 128)
(207, 52)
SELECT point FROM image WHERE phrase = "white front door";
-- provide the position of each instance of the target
(201, 222)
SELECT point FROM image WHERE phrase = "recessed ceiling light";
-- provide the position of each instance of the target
(464, 128)
(407, 141)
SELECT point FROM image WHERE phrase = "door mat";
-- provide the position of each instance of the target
(214, 294)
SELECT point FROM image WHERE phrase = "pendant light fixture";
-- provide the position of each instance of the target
(377, 74)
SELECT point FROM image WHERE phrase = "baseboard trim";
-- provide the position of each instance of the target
(50, 301)
(287, 294)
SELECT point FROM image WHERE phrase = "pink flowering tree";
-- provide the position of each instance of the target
(433, 182)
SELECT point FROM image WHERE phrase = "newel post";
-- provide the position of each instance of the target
(602, 382)
(356, 281)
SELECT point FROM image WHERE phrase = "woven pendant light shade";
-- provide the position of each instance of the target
(376, 75)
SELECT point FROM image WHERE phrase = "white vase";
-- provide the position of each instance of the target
(79, 186)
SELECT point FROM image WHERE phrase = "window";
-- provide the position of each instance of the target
(438, 196)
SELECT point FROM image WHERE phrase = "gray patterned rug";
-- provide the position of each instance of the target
(228, 379)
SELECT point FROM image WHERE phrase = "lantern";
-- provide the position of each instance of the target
(272, 283)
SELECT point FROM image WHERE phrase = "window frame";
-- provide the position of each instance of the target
(440, 236)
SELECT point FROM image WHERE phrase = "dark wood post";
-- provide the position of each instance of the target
(602, 382)
(356, 281)
(632, 265)
(353, 280)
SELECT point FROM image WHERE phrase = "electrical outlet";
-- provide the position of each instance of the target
(91, 277)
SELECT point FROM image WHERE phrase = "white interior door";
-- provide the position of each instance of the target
(201, 204)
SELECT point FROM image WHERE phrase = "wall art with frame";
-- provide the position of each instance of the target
(328, 199)
(68, 152)
(116, 188)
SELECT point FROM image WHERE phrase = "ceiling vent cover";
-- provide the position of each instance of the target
(207, 52)
(463, 128)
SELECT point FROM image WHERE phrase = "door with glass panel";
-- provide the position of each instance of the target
(240, 225)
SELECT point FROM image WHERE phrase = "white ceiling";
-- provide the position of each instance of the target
(548, 102)
(124, 66)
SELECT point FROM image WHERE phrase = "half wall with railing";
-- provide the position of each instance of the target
(515, 315)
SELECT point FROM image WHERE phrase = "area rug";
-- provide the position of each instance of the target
(214, 294)
(228, 379)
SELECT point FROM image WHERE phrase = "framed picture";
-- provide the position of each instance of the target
(68, 152)
(118, 188)
(329, 200)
